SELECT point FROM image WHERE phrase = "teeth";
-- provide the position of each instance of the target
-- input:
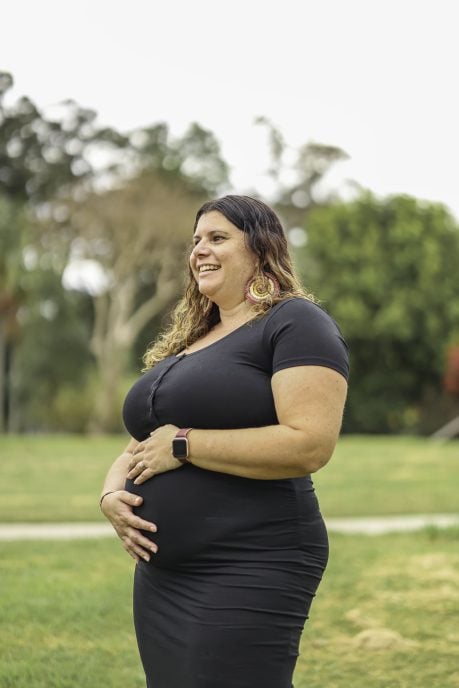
(203, 268)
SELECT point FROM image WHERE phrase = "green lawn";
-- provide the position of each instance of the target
(59, 477)
(385, 615)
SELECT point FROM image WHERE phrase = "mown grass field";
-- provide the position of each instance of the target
(386, 615)
(58, 478)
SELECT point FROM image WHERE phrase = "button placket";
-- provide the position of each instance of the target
(156, 385)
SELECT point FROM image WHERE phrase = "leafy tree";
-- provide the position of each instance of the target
(386, 270)
(13, 221)
(40, 155)
(40, 158)
(135, 236)
(297, 174)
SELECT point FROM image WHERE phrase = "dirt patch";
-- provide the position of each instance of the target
(382, 639)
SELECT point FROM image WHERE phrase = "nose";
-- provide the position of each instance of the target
(201, 249)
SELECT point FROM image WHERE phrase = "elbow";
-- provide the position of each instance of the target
(315, 455)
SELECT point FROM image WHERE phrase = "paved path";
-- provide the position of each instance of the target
(366, 525)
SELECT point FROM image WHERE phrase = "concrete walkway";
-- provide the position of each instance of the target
(366, 525)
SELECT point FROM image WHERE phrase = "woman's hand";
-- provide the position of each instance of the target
(117, 507)
(154, 455)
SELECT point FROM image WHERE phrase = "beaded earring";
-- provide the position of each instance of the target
(262, 287)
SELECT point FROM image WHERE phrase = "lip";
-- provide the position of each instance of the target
(206, 272)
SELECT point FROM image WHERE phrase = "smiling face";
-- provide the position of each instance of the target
(221, 262)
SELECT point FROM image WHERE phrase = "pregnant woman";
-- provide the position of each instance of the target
(242, 400)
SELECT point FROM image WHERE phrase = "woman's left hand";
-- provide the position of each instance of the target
(154, 455)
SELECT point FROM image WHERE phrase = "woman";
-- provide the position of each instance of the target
(242, 401)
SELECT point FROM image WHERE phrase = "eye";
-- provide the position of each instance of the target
(217, 237)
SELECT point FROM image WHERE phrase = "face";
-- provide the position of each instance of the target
(221, 262)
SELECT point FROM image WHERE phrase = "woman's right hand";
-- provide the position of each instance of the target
(118, 508)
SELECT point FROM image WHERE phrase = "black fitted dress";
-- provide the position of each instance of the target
(223, 602)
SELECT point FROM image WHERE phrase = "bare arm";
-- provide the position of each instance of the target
(309, 403)
(118, 505)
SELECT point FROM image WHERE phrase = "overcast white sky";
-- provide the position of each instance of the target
(379, 78)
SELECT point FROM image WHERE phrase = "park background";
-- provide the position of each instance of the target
(116, 122)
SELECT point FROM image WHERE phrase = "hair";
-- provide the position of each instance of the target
(195, 314)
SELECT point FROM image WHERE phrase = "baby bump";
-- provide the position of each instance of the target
(179, 503)
(215, 515)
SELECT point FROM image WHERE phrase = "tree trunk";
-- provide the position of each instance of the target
(3, 380)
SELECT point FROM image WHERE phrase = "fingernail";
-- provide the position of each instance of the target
(146, 557)
(153, 529)
(138, 500)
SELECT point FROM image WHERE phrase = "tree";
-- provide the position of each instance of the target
(13, 221)
(40, 155)
(386, 270)
(297, 174)
(136, 236)
(40, 158)
(127, 219)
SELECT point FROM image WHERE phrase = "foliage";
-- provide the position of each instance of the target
(14, 225)
(40, 155)
(128, 219)
(297, 174)
(386, 270)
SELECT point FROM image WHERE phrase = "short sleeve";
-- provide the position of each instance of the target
(299, 332)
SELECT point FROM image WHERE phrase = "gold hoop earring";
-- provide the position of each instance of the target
(263, 287)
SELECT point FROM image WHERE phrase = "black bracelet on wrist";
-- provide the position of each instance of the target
(104, 495)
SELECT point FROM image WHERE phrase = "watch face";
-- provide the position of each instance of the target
(180, 447)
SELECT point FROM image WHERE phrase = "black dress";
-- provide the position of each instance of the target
(223, 602)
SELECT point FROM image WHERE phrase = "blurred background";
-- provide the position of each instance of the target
(117, 122)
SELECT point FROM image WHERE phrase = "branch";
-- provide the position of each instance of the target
(148, 310)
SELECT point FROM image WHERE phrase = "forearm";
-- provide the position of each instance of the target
(116, 476)
(266, 453)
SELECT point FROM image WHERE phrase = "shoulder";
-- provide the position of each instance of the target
(300, 332)
(299, 310)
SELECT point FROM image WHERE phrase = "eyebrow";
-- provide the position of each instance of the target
(212, 231)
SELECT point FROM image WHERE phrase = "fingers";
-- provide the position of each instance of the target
(137, 468)
(130, 498)
(146, 474)
(134, 463)
(125, 517)
(138, 546)
(140, 524)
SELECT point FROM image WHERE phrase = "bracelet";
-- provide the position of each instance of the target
(104, 495)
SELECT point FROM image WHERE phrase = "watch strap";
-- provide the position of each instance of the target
(183, 432)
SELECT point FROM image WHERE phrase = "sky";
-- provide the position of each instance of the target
(378, 78)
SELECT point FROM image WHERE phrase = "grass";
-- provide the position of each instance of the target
(385, 615)
(390, 475)
(59, 477)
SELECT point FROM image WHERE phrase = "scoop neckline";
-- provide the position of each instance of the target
(204, 348)
(249, 322)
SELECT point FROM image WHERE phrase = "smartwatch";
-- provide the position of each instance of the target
(180, 445)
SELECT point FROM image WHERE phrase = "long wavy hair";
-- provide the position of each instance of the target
(195, 314)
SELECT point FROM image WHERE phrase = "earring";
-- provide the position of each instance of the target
(262, 287)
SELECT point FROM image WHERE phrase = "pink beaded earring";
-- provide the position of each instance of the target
(263, 287)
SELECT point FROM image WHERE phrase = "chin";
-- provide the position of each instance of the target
(207, 290)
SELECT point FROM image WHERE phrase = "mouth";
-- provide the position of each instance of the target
(207, 268)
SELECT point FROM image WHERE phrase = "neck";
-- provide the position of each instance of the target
(236, 315)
